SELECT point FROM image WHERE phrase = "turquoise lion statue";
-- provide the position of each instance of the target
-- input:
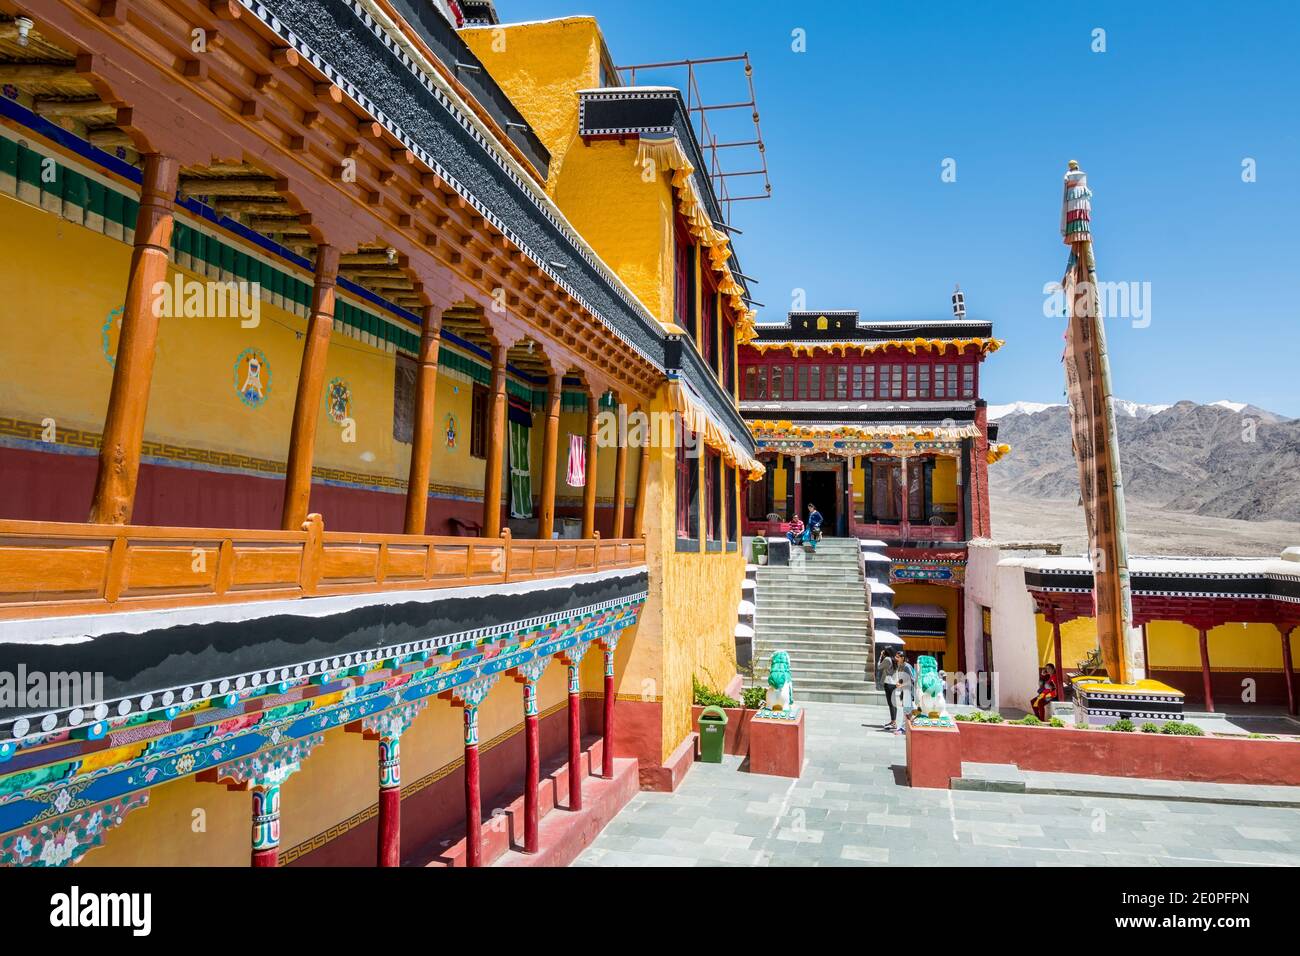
(929, 688)
(780, 696)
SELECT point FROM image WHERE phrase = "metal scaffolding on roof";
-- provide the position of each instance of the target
(698, 110)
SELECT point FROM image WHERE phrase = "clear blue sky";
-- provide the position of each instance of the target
(858, 126)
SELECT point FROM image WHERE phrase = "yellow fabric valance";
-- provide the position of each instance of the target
(913, 346)
(864, 432)
(697, 419)
(666, 154)
(998, 452)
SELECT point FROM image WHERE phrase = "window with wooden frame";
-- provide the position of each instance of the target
(968, 380)
(730, 489)
(728, 355)
(713, 495)
(688, 489)
(684, 283)
(478, 421)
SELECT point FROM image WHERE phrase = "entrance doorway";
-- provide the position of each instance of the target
(820, 488)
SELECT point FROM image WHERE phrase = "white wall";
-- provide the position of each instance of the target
(996, 580)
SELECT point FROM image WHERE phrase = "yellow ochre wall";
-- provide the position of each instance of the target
(1174, 645)
(946, 598)
(52, 351)
(687, 628)
(599, 187)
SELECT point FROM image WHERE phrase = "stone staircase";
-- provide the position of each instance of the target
(816, 610)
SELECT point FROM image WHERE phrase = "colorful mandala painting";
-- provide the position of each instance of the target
(109, 333)
(252, 377)
(338, 401)
(450, 431)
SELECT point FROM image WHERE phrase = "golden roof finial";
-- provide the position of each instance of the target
(1074, 164)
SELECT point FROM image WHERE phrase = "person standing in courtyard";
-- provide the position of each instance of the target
(814, 526)
(886, 677)
(904, 690)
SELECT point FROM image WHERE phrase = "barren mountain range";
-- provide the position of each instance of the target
(1223, 460)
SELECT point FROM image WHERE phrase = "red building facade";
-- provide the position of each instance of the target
(882, 427)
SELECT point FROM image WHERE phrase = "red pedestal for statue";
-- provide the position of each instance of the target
(776, 745)
(933, 756)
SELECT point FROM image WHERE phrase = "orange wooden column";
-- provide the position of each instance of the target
(426, 385)
(550, 455)
(119, 453)
(642, 480)
(620, 483)
(589, 489)
(496, 446)
(311, 381)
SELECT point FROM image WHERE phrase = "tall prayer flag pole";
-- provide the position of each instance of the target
(1092, 423)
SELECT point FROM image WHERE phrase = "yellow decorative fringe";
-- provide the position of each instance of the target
(667, 155)
(908, 345)
(998, 452)
(789, 430)
(697, 419)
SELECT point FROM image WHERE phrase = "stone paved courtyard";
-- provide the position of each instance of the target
(851, 807)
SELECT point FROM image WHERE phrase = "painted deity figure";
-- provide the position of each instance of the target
(780, 694)
(252, 388)
(929, 695)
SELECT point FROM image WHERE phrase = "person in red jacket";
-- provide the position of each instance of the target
(1048, 691)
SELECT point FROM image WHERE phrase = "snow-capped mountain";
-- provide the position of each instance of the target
(1226, 459)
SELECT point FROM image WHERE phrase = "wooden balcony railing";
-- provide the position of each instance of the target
(53, 569)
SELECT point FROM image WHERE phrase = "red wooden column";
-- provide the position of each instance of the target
(426, 386)
(128, 401)
(528, 675)
(589, 489)
(1288, 671)
(469, 696)
(572, 659)
(311, 382)
(550, 455)
(262, 775)
(387, 728)
(496, 445)
(1205, 667)
(905, 515)
(798, 489)
(608, 646)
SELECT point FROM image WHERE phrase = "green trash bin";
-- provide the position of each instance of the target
(713, 734)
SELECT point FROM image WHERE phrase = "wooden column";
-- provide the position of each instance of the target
(1056, 652)
(642, 481)
(550, 457)
(1205, 668)
(128, 401)
(607, 747)
(798, 488)
(620, 483)
(848, 521)
(1288, 671)
(473, 791)
(311, 381)
(426, 386)
(496, 446)
(589, 489)
(532, 767)
(389, 843)
(575, 738)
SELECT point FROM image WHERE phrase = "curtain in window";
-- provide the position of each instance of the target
(521, 482)
(577, 473)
